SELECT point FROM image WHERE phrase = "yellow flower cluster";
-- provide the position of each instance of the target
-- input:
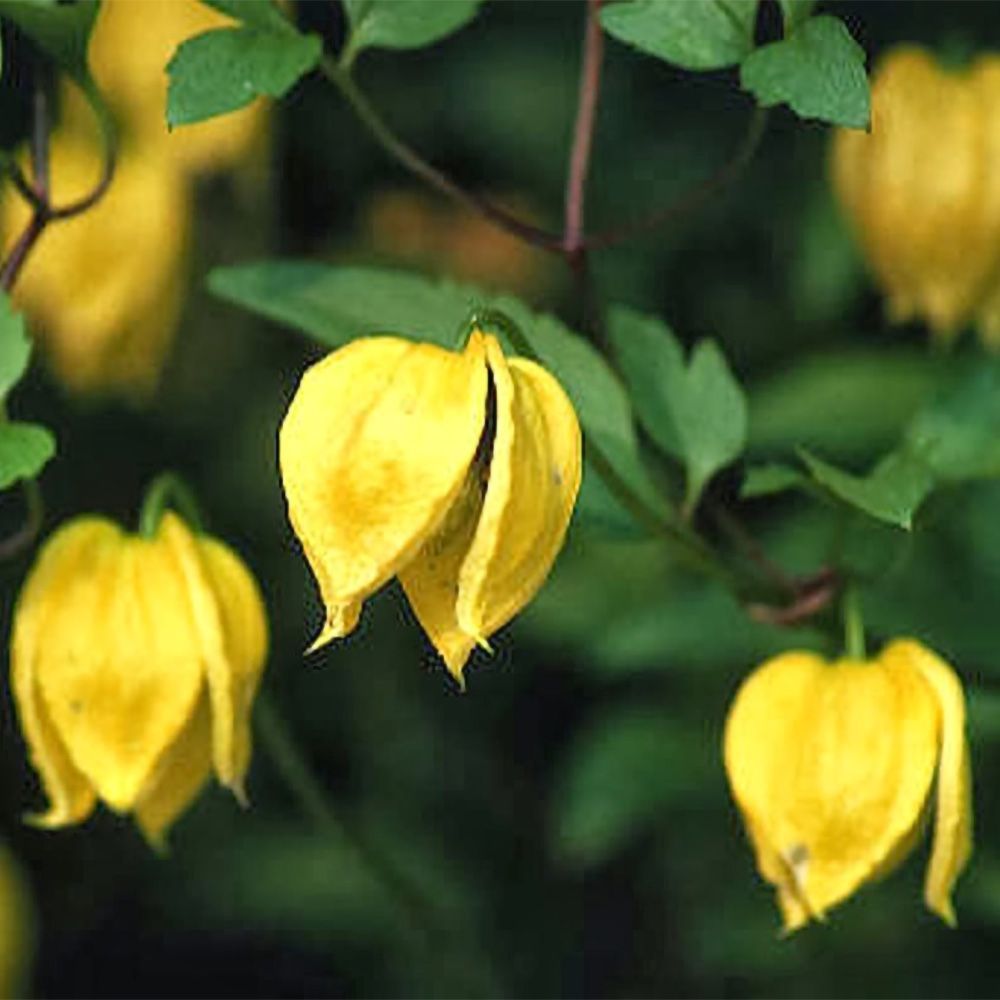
(104, 289)
(455, 472)
(834, 765)
(922, 190)
(134, 664)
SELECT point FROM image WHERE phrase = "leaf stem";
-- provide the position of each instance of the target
(583, 131)
(168, 490)
(854, 628)
(34, 505)
(37, 192)
(431, 175)
(691, 200)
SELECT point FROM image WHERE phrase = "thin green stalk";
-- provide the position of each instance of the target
(465, 965)
(168, 490)
(854, 628)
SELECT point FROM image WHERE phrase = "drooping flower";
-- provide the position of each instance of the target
(103, 289)
(456, 472)
(834, 765)
(134, 665)
(922, 190)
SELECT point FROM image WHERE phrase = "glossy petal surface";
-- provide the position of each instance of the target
(76, 546)
(121, 667)
(500, 539)
(831, 765)
(953, 811)
(374, 450)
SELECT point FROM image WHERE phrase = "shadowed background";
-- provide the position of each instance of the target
(568, 816)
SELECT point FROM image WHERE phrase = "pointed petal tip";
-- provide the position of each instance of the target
(943, 909)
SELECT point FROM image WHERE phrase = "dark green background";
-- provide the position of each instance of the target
(567, 816)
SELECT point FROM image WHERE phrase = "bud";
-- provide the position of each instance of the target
(456, 472)
(103, 290)
(922, 190)
(833, 766)
(134, 666)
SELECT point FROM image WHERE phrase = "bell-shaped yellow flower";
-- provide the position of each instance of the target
(130, 46)
(456, 472)
(16, 928)
(103, 290)
(922, 190)
(134, 665)
(834, 765)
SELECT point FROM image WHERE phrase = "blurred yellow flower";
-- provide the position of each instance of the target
(834, 765)
(922, 190)
(134, 665)
(420, 229)
(456, 472)
(103, 289)
(130, 46)
(16, 928)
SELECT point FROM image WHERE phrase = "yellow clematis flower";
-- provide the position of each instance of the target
(456, 472)
(104, 289)
(833, 767)
(134, 664)
(17, 922)
(922, 190)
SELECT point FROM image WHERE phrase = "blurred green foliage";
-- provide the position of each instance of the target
(568, 815)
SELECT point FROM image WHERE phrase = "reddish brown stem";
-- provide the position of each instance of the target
(691, 200)
(583, 132)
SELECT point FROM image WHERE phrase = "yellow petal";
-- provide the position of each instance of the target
(495, 550)
(120, 670)
(244, 626)
(63, 557)
(374, 450)
(179, 777)
(831, 766)
(430, 580)
(230, 696)
(953, 819)
(533, 483)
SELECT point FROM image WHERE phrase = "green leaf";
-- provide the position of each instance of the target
(696, 411)
(24, 450)
(623, 774)
(334, 305)
(795, 12)
(15, 347)
(766, 480)
(872, 393)
(225, 69)
(891, 492)
(404, 24)
(707, 34)
(819, 71)
(958, 434)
